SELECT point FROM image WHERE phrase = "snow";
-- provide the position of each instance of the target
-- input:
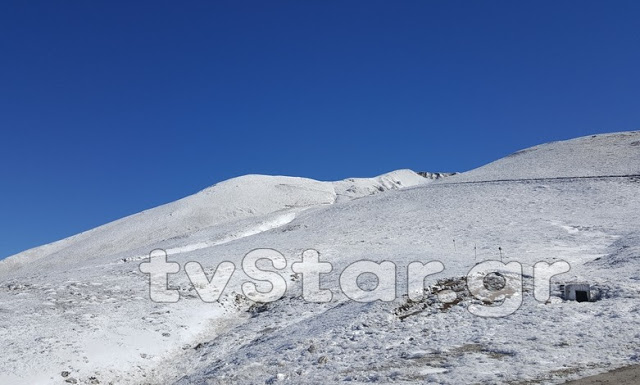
(590, 156)
(250, 196)
(81, 305)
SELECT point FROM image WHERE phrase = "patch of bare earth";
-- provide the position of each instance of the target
(629, 375)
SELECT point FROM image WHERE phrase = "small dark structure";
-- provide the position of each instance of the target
(580, 292)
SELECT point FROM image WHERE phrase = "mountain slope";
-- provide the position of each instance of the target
(234, 200)
(615, 154)
(106, 329)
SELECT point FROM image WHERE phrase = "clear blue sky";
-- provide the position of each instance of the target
(111, 107)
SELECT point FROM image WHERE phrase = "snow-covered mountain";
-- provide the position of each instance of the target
(78, 310)
(259, 200)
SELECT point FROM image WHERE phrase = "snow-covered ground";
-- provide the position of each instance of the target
(78, 310)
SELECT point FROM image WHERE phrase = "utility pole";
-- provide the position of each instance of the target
(500, 249)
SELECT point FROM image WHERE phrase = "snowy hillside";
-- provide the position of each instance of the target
(596, 155)
(268, 200)
(78, 311)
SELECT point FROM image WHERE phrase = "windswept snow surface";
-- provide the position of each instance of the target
(80, 307)
(213, 210)
(590, 156)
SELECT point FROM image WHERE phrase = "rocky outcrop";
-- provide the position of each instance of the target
(435, 175)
